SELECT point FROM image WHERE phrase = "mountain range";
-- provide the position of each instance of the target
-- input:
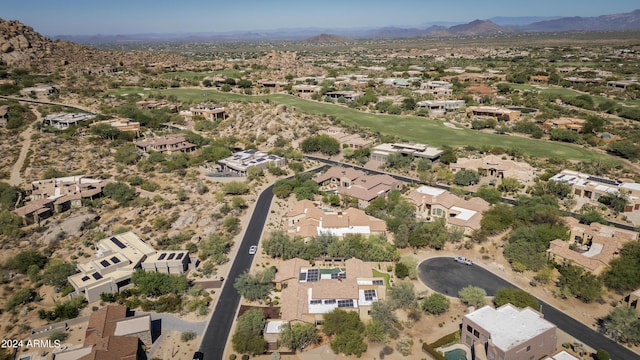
(493, 26)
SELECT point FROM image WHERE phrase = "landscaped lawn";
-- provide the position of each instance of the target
(557, 91)
(386, 277)
(199, 75)
(410, 128)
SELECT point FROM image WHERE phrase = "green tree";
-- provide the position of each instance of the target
(401, 271)
(435, 304)
(26, 258)
(105, 131)
(320, 143)
(255, 287)
(409, 104)
(466, 177)
(10, 224)
(473, 296)
(602, 354)
(235, 188)
(488, 194)
(340, 321)
(625, 149)
(382, 312)
(583, 285)
(299, 335)
(399, 161)
(515, 297)
(56, 272)
(120, 192)
(248, 336)
(19, 297)
(448, 155)
(623, 325)
(350, 342)
(623, 274)
(510, 185)
(616, 202)
(402, 295)
(156, 284)
(375, 331)
(497, 219)
(126, 154)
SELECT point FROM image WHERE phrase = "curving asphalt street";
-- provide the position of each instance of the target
(217, 332)
(446, 276)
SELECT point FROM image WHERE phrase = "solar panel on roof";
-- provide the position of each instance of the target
(85, 278)
(378, 282)
(118, 243)
(180, 256)
(303, 276)
(369, 295)
(105, 263)
(345, 303)
(115, 260)
(171, 256)
(96, 276)
(313, 275)
(162, 256)
(603, 180)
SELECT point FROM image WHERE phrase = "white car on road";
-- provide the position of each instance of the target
(253, 249)
(463, 260)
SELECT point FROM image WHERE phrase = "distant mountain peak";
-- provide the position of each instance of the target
(328, 38)
(478, 27)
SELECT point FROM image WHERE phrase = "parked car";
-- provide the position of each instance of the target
(253, 249)
(463, 260)
(198, 355)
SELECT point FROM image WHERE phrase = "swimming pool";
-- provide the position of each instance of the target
(456, 354)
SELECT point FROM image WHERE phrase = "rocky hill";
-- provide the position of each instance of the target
(21, 46)
(328, 39)
(478, 27)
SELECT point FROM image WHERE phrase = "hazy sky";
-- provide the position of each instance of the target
(87, 17)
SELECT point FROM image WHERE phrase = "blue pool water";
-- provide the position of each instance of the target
(456, 354)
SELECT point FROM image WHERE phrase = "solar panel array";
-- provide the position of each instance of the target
(162, 256)
(171, 256)
(603, 180)
(315, 302)
(303, 276)
(378, 282)
(180, 256)
(339, 276)
(345, 303)
(118, 243)
(313, 275)
(330, 301)
(115, 260)
(105, 263)
(369, 295)
(97, 276)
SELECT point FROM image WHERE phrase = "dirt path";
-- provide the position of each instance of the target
(16, 176)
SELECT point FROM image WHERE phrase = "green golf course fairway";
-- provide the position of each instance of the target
(412, 128)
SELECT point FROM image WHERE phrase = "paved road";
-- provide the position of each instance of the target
(216, 335)
(448, 277)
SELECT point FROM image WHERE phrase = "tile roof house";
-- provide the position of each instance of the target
(595, 245)
(307, 221)
(309, 292)
(168, 144)
(356, 184)
(509, 333)
(353, 141)
(111, 334)
(57, 195)
(432, 203)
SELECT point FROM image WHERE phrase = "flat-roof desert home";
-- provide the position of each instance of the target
(593, 187)
(122, 125)
(439, 107)
(62, 121)
(382, 151)
(493, 112)
(39, 90)
(309, 292)
(495, 167)
(117, 257)
(241, 161)
(509, 333)
(207, 112)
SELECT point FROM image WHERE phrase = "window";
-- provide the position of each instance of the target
(315, 302)
(469, 329)
(528, 347)
(476, 333)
